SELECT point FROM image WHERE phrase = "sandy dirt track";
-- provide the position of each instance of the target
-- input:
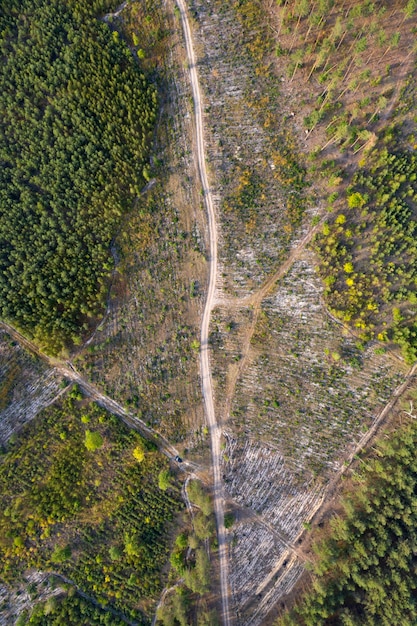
(207, 385)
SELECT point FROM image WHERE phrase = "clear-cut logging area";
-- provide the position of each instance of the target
(294, 391)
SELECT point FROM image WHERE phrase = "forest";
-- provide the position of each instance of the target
(84, 497)
(69, 609)
(77, 118)
(367, 254)
(365, 572)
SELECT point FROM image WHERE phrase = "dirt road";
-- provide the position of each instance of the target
(68, 371)
(207, 385)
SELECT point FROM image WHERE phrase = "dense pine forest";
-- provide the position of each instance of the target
(69, 609)
(366, 569)
(77, 113)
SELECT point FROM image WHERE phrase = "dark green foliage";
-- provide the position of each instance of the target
(71, 610)
(174, 610)
(366, 573)
(60, 555)
(76, 118)
(229, 520)
(98, 518)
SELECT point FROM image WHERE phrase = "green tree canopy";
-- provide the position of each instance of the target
(366, 571)
(77, 114)
(93, 440)
(164, 479)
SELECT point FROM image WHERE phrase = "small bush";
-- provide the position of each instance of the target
(93, 440)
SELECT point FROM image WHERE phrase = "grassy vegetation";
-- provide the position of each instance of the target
(93, 513)
(294, 388)
(286, 159)
(305, 392)
(77, 117)
(143, 353)
(365, 568)
(12, 364)
(81, 495)
(147, 33)
(351, 68)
